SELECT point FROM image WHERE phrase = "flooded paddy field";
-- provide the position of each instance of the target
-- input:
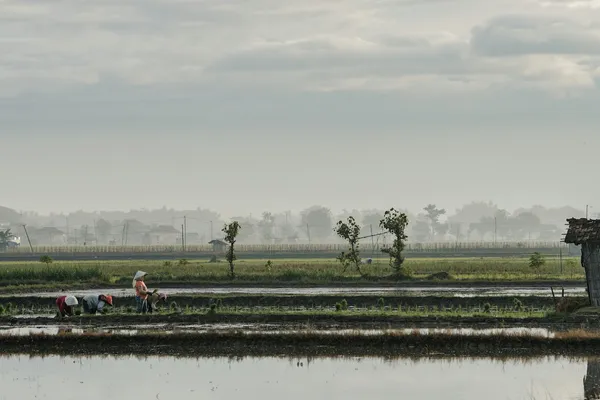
(68, 377)
(358, 301)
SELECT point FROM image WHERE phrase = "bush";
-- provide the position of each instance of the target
(338, 306)
(46, 260)
(344, 304)
(517, 305)
(212, 310)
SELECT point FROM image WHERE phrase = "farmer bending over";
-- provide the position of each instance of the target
(95, 303)
(66, 305)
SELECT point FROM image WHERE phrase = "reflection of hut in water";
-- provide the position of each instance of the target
(586, 232)
(591, 381)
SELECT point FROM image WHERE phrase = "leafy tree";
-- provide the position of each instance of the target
(350, 232)
(536, 262)
(46, 260)
(319, 222)
(433, 214)
(5, 236)
(231, 231)
(266, 226)
(395, 223)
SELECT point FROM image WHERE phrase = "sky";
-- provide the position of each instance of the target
(254, 105)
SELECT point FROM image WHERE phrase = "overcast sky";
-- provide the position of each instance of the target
(250, 105)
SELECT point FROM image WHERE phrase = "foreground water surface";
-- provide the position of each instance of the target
(99, 378)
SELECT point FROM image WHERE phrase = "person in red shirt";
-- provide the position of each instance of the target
(66, 305)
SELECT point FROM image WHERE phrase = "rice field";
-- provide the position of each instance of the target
(304, 271)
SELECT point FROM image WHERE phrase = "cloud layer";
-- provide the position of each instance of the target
(424, 46)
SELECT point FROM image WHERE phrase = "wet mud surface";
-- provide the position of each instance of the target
(304, 321)
(311, 301)
(239, 344)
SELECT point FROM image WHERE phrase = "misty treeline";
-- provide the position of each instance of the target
(477, 221)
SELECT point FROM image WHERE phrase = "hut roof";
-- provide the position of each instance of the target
(217, 242)
(582, 230)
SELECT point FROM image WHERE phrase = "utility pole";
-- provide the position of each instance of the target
(28, 240)
(185, 232)
(586, 211)
(211, 231)
(182, 244)
(495, 229)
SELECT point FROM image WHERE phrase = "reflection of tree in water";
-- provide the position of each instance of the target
(591, 380)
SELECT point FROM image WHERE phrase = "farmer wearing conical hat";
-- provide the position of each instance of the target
(141, 292)
(95, 303)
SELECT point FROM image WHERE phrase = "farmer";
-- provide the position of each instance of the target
(155, 299)
(66, 305)
(95, 303)
(141, 292)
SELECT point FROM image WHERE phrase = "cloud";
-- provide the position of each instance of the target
(521, 35)
(415, 46)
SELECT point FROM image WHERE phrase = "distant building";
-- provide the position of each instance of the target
(14, 241)
(164, 234)
(218, 245)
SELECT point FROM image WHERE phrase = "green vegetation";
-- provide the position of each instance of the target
(294, 272)
(350, 232)
(231, 231)
(395, 223)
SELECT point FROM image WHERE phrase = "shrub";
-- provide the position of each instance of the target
(338, 306)
(212, 310)
(517, 304)
(344, 304)
(46, 260)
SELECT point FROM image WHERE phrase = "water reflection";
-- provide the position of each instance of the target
(591, 380)
(54, 377)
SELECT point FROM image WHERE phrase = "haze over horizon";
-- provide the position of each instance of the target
(261, 105)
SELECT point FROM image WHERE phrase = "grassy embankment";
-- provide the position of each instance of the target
(84, 274)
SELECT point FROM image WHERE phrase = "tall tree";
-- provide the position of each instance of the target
(5, 236)
(395, 223)
(318, 221)
(433, 214)
(266, 226)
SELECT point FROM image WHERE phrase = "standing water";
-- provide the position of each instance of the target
(99, 378)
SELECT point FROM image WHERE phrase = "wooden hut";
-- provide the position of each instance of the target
(586, 233)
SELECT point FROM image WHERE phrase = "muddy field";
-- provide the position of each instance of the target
(311, 301)
(301, 344)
